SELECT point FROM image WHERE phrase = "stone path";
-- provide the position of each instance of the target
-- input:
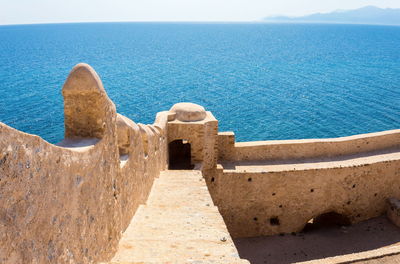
(314, 163)
(178, 224)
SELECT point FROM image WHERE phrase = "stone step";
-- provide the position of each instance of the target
(184, 213)
(182, 195)
(163, 185)
(207, 209)
(182, 178)
(178, 224)
(175, 250)
(199, 202)
(228, 261)
(181, 181)
(182, 172)
(171, 223)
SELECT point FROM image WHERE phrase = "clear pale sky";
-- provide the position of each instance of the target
(56, 11)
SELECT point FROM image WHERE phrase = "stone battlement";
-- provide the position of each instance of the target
(71, 202)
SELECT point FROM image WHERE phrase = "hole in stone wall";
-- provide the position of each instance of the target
(212, 179)
(123, 159)
(249, 179)
(180, 155)
(274, 221)
(327, 220)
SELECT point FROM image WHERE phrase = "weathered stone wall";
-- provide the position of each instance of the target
(202, 135)
(393, 210)
(249, 201)
(272, 187)
(228, 149)
(69, 203)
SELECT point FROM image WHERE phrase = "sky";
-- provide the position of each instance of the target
(60, 11)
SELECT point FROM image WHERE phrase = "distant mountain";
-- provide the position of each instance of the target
(365, 15)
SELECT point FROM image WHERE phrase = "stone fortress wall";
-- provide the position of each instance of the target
(70, 202)
(273, 187)
(229, 150)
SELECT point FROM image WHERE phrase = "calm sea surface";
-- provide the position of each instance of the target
(261, 81)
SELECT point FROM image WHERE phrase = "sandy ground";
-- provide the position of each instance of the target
(321, 243)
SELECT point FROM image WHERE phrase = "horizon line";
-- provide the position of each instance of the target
(261, 21)
(255, 20)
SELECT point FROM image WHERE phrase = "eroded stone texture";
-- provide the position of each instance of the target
(188, 112)
(178, 224)
(202, 136)
(230, 150)
(70, 203)
(124, 125)
(273, 187)
(393, 210)
(86, 104)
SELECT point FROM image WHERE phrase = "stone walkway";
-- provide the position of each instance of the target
(178, 224)
(313, 163)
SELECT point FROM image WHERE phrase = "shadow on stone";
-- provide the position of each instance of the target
(322, 242)
(327, 220)
(180, 155)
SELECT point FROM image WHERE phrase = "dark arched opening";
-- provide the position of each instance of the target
(179, 155)
(327, 220)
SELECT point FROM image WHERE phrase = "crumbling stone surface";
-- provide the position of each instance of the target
(86, 104)
(393, 210)
(229, 150)
(188, 112)
(202, 135)
(273, 187)
(70, 202)
(178, 224)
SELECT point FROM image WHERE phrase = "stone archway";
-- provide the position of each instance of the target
(179, 155)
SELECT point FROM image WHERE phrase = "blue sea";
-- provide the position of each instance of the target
(263, 81)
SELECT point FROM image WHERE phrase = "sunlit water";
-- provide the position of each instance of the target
(261, 81)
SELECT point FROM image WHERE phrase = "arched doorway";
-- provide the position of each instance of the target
(179, 155)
